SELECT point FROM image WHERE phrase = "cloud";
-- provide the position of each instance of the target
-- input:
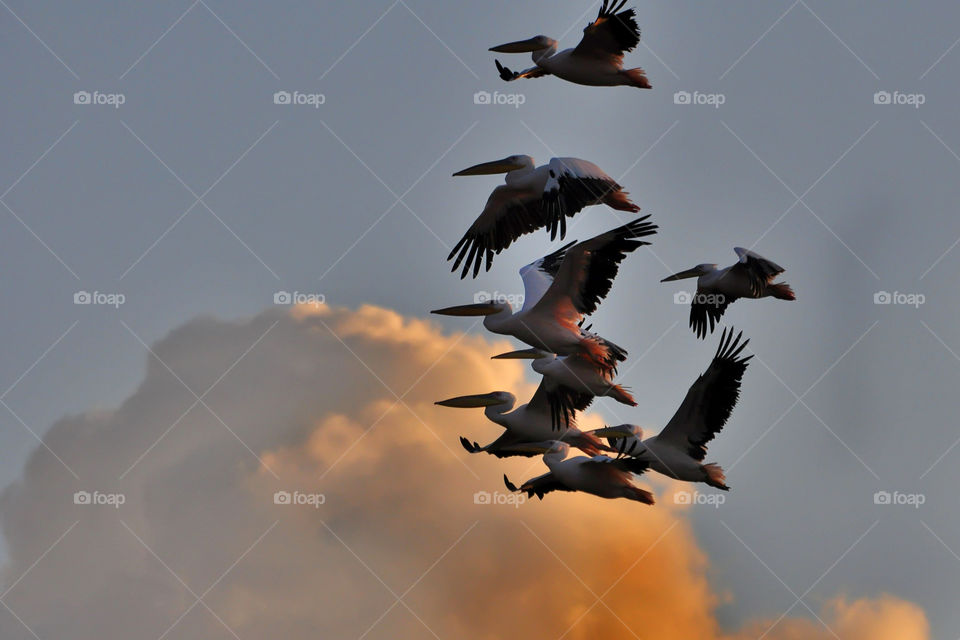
(338, 403)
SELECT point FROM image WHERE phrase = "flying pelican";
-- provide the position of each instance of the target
(531, 422)
(571, 382)
(598, 475)
(559, 290)
(679, 449)
(597, 61)
(751, 277)
(533, 197)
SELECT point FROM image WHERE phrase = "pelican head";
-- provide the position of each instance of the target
(523, 354)
(478, 309)
(504, 165)
(695, 272)
(535, 43)
(491, 399)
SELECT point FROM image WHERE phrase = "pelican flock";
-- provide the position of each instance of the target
(561, 289)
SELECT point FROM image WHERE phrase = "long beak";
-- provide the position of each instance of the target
(689, 273)
(522, 354)
(470, 402)
(611, 432)
(520, 46)
(490, 168)
(479, 309)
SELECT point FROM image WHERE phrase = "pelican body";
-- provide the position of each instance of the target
(750, 277)
(559, 289)
(531, 422)
(532, 198)
(597, 61)
(679, 449)
(597, 475)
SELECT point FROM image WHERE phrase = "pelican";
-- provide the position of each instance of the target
(571, 382)
(751, 277)
(533, 197)
(531, 422)
(599, 475)
(597, 61)
(679, 449)
(559, 290)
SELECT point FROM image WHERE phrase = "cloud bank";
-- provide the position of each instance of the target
(333, 408)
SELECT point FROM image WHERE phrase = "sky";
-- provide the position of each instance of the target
(182, 199)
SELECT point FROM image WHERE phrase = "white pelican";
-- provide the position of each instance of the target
(558, 290)
(751, 277)
(533, 197)
(598, 475)
(571, 382)
(531, 422)
(597, 61)
(679, 449)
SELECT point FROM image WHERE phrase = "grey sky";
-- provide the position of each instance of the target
(354, 200)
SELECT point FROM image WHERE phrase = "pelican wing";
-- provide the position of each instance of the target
(538, 276)
(565, 402)
(510, 75)
(574, 184)
(539, 486)
(755, 268)
(561, 407)
(611, 34)
(588, 269)
(707, 309)
(709, 401)
(505, 218)
(603, 464)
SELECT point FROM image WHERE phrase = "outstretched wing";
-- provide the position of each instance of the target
(539, 274)
(757, 270)
(562, 410)
(574, 184)
(505, 218)
(709, 401)
(509, 75)
(611, 34)
(565, 402)
(539, 486)
(589, 268)
(707, 309)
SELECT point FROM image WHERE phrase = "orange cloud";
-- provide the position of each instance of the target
(335, 407)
